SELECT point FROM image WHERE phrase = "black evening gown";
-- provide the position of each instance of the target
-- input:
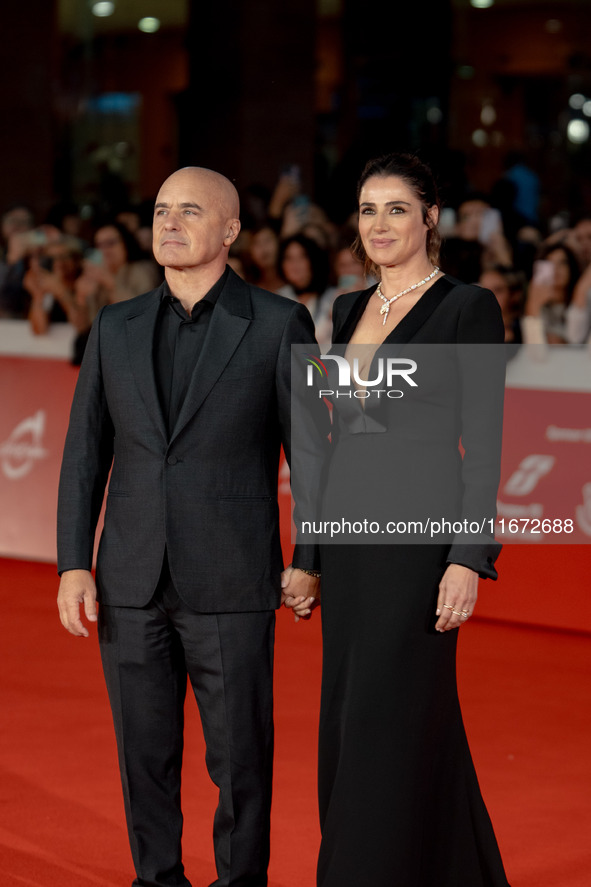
(400, 804)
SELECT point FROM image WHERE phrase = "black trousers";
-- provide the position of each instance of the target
(147, 654)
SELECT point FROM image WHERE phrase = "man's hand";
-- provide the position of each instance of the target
(76, 587)
(300, 592)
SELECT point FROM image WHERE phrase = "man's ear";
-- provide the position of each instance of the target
(232, 231)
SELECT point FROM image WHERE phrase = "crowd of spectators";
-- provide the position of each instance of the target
(56, 273)
(61, 272)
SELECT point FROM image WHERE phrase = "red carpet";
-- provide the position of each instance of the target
(526, 702)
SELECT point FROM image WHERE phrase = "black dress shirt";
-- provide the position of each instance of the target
(178, 341)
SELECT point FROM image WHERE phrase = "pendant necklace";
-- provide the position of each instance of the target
(385, 309)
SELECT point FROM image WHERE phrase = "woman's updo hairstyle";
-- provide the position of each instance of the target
(420, 180)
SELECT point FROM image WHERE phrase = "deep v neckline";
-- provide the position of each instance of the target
(408, 326)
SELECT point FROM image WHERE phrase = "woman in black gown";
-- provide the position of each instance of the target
(399, 799)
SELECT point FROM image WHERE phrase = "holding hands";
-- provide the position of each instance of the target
(458, 592)
(300, 592)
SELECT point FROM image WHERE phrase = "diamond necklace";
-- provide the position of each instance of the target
(385, 309)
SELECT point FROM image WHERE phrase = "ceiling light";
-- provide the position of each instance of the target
(481, 4)
(149, 24)
(480, 138)
(103, 8)
(578, 131)
(488, 115)
(434, 114)
(577, 100)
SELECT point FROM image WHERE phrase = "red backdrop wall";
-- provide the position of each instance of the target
(546, 475)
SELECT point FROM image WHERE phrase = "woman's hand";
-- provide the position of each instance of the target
(99, 275)
(85, 288)
(32, 281)
(458, 591)
(538, 295)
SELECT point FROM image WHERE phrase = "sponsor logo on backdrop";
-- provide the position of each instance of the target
(510, 509)
(568, 435)
(24, 447)
(584, 511)
(526, 477)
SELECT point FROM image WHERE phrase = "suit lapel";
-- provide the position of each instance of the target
(230, 319)
(141, 323)
(411, 323)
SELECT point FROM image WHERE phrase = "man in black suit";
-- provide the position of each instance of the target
(184, 394)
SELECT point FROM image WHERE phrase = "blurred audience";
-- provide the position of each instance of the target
(289, 245)
(349, 275)
(114, 271)
(304, 267)
(508, 285)
(349, 272)
(477, 242)
(263, 253)
(16, 220)
(138, 220)
(292, 212)
(525, 191)
(581, 235)
(578, 312)
(50, 281)
(550, 292)
(22, 247)
(66, 217)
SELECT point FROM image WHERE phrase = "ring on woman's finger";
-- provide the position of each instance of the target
(457, 612)
(448, 606)
(465, 614)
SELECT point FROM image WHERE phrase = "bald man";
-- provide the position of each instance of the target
(184, 395)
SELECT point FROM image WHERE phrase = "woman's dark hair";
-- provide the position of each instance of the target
(421, 181)
(132, 248)
(318, 258)
(573, 264)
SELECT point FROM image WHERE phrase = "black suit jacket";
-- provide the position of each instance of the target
(208, 494)
(455, 314)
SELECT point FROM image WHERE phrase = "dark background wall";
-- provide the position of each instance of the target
(96, 112)
(27, 73)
